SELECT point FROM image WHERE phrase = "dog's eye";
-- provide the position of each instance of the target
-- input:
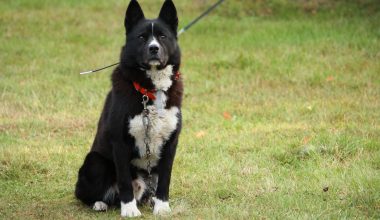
(141, 37)
(162, 36)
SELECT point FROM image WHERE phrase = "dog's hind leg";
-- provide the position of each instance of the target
(96, 179)
(100, 206)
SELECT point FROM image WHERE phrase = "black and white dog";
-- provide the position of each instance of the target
(115, 170)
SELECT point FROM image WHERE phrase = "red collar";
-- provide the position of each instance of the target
(151, 93)
(177, 75)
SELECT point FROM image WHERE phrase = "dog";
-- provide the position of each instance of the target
(131, 159)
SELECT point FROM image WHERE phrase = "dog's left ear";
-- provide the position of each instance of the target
(168, 14)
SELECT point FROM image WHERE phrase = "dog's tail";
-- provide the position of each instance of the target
(144, 187)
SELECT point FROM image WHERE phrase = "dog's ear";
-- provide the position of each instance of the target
(168, 14)
(133, 15)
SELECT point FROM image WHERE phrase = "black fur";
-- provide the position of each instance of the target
(108, 162)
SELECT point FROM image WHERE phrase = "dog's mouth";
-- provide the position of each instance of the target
(154, 62)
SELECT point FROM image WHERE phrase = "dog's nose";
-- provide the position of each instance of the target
(153, 49)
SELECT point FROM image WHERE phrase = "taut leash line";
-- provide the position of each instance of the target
(96, 70)
(200, 17)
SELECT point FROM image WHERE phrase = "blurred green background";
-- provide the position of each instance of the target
(281, 107)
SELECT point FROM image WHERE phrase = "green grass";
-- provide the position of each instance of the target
(301, 83)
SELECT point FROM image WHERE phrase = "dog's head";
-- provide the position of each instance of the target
(151, 42)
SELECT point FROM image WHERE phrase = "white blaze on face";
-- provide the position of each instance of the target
(152, 43)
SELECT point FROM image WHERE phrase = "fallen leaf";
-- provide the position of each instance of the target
(329, 78)
(306, 140)
(200, 134)
(227, 116)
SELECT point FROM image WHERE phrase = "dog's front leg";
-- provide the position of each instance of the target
(122, 154)
(122, 157)
(161, 201)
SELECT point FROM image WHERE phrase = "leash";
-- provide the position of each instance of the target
(200, 17)
(183, 30)
(147, 126)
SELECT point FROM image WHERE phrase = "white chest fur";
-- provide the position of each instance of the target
(161, 78)
(163, 122)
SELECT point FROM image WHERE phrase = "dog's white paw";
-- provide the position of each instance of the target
(161, 207)
(130, 209)
(100, 206)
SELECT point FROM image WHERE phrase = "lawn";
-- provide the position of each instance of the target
(281, 107)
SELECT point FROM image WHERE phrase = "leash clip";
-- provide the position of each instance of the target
(145, 100)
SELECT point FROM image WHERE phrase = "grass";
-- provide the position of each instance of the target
(281, 108)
